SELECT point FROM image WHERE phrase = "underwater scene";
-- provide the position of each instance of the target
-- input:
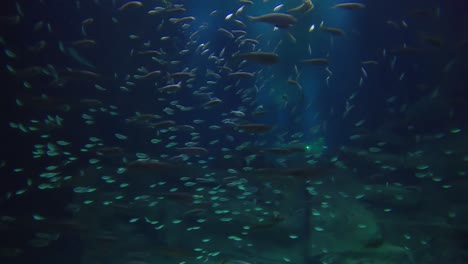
(234, 132)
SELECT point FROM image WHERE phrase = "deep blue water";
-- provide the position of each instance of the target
(399, 122)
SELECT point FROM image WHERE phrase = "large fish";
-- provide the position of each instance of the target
(261, 57)
(276, 19)
(254, 128)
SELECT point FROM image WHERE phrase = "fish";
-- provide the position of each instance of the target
(260, 57)
(10, 20)
(74, 75)
(90, 102)
(405, 51)
(234, 262)
(211, 102)
(176, 252)
(250, 41)
(277, 19)
(434, 41)
(196, 211)
(130, 4)
(141, 118)
(350, 6)
(180, 196)
(175, 10)
(248, 2)
(38, 47)
(302, 173)
(149, 164)
(79, 58)
(316, 61)
(240, 24)
(150, 52)
(369, 62)
(226, 32)
(182, 19)
(255, 128)
(304, 8)
(278, 7)
(239, 31)
(333, 31)
(242, 74)
(284, 150)
(240, 10)
(29, 72)
(84, 43)
(108, 151)
(192, 150)
(87, 21)
(183, 75)
(170, 88)
(163, 124)
(149, 75)
(298, 86)
(174, 121)
(185, 128)
(46, 103)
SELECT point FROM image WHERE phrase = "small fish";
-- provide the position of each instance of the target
(212, 102)
(150, 52)
(149, 164)
(250, 41)
(316, 61)
(87, 21)
(432, 40)
(370, 62)
(405, 51)
(229, 16)
(237, 113)
(333, 31)
(248, 2)
(171, 88)
(227, 33)
(163, 124)
(364, 72)
(182, 75)
(108, 151)
(192, 150)
(304, 8)
(240, 23)
(175, 10)
(404, 24)
(130, 4)
(241, 74)
(278, 7)
(149, 75)
(182, 19)
(84, 43)
(240, 10)
(312, 27)
(234, 262)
